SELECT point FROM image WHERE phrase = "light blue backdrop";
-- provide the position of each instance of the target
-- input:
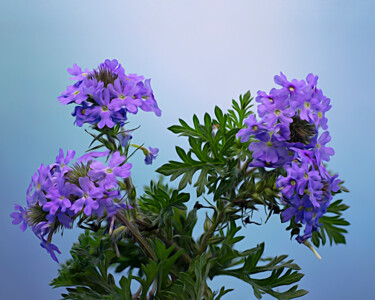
(199, 54)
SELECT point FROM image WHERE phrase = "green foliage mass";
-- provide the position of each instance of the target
(153, 248)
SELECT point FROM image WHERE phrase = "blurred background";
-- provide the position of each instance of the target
(199, 54)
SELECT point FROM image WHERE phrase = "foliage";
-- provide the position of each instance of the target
(155, 249)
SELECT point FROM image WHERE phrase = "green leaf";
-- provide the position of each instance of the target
(283, 272)
(223, 292)
(332, 225)
(211, 146)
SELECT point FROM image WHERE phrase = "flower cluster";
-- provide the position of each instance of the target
(287, 135)
(104, 96)
(58, 194)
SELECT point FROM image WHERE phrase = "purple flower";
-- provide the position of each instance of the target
(62, 162)
(281, 132)
(59, 197)
(64, 218)
(107, 203)
(151, 155)
(95, 154)
(302, 210)
(87, 192)
(258, 129)
(301, 239)
(51, 249)
(274, 96)
(277, 111)
(305, 107)
(100, 171)
(320, 109)
(294, 87)
(76, 71)
(146, 93)
(73, 93)
(113, 66)
(321, 151)
(334, 183)
(40, 183)
(310, 179)
(270, 152)
(83, 115)
(134, 77)
(19, 217)
(294, 209)
(124, 138)
(41, 229)
(91, 85)
(106, 94)
(124, 92)
(290, 183)
(106, 111)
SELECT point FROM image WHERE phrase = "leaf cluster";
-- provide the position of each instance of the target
(213, 147)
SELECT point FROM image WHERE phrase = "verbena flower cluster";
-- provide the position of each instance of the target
(287, 136)
(58, 194)
(104, 96)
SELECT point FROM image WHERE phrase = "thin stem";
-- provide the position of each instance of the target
(169, 243)
(132, 200)
(308, 244)
(111, 140)
(212, 229)
(137, 235)
(115, 246)
(184, 256)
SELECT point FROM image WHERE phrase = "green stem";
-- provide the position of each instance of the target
(184, 256)
(220, 217)
(111, 140)
(137, 235)
(129, 189)
(187, 259)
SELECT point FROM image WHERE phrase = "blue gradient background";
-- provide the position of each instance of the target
(199, 54)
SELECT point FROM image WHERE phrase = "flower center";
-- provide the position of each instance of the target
(109, 171)
(104, 108)
(293, 182)
(301, 131)
(122, 97)
(269, 144)
(76, 92)
(291, 88)
(306, 176)
(277, 112)
(307, 105)
(271, 100)
(255, 127)
(104, 75)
